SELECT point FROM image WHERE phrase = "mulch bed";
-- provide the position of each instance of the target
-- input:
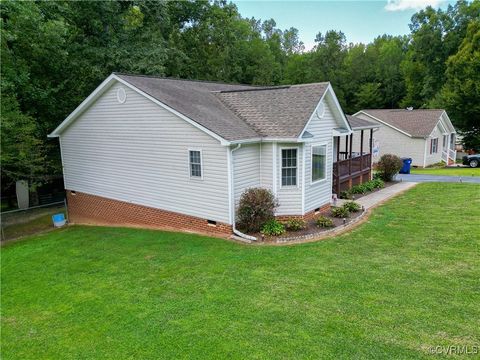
(310, 229)
(387, 184)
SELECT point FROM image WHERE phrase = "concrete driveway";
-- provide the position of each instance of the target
(436, 178)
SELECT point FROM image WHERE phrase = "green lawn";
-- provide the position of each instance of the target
(457, 171)
(406, 280)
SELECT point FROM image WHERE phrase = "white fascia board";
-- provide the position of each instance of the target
(448, 122)
(383, 122)
(328, 90)
(441, 126)
(103, 86)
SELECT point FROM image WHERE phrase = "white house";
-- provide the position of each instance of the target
(167, 153)
(425, 135)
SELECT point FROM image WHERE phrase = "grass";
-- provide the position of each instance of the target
(406, 280)
(450, 171)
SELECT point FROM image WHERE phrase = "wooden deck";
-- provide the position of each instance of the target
(351, 171)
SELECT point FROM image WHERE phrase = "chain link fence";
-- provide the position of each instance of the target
(36, 219)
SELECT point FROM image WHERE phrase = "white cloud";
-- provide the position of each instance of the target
(400, 5)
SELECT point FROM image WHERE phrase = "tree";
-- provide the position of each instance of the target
(461, 92)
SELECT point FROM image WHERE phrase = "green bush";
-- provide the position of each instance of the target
(388, 166)
(340, 212)
(352, 206)
(346, 194)
(378, 183)
(273, 227)
(256, 207)
(324, 222)
(295, 224)
(359, 189)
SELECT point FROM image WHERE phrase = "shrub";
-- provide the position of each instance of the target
(273, 227)
(324, 222)
(346, 194)
(352, 206)
(296, 224)
(359, 189)
(256, 207)
(340, 212)
(388, 166)
(378, 183)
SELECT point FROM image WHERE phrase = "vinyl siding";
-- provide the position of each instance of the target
(391, 141)
(138, 152)
(319, 193)
(266, 165)
(246, 161)
(435, 157)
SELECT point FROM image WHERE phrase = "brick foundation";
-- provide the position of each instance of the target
(96, 210)
(308, 216)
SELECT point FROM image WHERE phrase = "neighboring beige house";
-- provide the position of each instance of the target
(168, 153)
(425, 135)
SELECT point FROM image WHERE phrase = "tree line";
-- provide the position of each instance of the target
(53, 54)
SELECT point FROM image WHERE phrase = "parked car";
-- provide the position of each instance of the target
(471, 160)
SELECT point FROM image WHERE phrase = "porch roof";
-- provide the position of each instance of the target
(361, 124)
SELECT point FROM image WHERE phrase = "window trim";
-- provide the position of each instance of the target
(190, 164)
(432, 140)
(297, 185)
(312, 182)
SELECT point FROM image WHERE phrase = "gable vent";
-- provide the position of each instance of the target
(121, 95)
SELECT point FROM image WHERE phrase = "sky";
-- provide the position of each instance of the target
(360, 21)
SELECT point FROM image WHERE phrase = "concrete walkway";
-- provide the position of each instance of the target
(378, 197)
(437, 178)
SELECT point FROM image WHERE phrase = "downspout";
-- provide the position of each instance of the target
(232, 198)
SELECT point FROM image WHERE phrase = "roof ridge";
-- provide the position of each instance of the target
(311, 84)
(402, 110)
(279, 87)
(180, 79)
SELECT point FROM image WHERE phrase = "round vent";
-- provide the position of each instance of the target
(121, 95)
(321, 110)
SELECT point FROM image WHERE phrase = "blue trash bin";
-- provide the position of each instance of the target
(58, 220)
(407, 162)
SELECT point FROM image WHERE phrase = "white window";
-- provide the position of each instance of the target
(319, 162)
(195, 159)
(289, 167)
(434, 146)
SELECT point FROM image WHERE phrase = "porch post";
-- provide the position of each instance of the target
(346, 147)
(338, 148)
(371, 140)
(350, 161)
(361, 155)
(371, 154)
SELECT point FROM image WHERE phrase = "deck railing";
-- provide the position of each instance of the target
(347, 169)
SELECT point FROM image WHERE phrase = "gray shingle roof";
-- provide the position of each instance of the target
(197, 101)
(357, 123)
(236, 112)
(417, 123)
(276, 112)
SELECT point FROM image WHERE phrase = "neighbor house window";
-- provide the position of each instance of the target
(289, 167)
(434, 146)
(195, 157)
(319, 162)
(445, 141)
